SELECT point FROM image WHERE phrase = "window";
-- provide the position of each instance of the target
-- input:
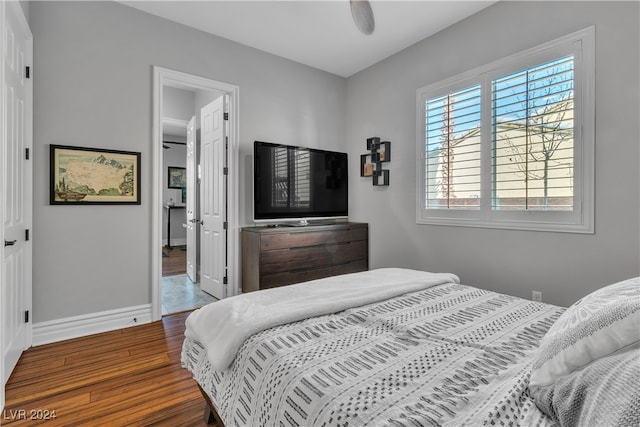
(510, 144)
(453, 150)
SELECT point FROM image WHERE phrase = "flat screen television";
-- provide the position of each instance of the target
(298, 183)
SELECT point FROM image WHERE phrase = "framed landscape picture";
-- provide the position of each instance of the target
(177, 177)
(81, 176)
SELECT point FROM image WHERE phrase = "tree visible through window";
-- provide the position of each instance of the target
(532, 148)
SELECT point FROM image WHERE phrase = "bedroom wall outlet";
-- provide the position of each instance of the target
(536, 296)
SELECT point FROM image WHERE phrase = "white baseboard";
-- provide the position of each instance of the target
(88, 324)
(179, 241)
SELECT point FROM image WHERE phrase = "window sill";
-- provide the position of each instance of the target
(555, 227)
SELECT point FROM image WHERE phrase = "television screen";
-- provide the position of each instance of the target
(296, 182)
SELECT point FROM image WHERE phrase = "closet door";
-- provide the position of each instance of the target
(17, 187)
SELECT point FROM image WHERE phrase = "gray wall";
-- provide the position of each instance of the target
(25, 9)
(381, 102)
(177, 104)
(175, 156)
(93, 87)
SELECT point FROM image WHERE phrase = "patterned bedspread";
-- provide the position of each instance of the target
(447, 355)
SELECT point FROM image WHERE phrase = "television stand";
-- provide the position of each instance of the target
(281, 255)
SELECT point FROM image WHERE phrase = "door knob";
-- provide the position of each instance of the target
(10, 242)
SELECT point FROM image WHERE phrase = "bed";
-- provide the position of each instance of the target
(399, 347)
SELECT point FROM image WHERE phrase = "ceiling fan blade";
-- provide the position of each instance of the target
(362, 16)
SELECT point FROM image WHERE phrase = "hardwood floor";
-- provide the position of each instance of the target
(175, 262)
(128, 377)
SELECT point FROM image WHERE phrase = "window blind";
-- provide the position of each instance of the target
(510, 144)
(453, 150)
(532, 138)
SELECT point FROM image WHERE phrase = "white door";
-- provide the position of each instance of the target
(192, 205)
(212, 199)
(17, 187)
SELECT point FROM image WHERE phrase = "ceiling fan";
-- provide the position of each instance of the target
(362, 16)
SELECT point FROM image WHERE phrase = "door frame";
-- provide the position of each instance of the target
(166, 77)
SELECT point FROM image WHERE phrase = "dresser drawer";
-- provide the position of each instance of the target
(301, 258)
(294, 239)
(291, 277)
(278, 256)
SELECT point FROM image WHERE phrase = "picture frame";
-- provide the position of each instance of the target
(93, 176)
(176, 177)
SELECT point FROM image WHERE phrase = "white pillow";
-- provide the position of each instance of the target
(599, 324)
(606, 392)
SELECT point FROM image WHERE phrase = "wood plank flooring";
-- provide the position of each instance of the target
(127, 377)
(175, 262)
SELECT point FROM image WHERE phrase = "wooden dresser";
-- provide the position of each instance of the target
(277, 256)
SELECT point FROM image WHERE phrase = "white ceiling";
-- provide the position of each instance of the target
(319, 33)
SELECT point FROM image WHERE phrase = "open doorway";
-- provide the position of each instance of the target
(186, 109)
(181, 290)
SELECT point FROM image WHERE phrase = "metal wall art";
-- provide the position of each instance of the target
(371, 164)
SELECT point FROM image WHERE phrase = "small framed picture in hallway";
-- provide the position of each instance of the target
(177, 177)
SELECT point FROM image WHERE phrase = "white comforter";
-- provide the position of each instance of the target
(442, 355)
(223, 326)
